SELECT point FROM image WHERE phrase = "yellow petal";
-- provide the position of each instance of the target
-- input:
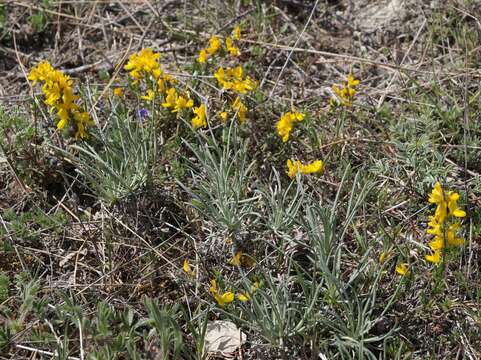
(202, 58)
(243, 297)
(186, 266)
(236, 34)
(213, 286)
(223, 115)
(459, 213)
(437, 243)
(435, 257)
(227, 297)
(118, 91)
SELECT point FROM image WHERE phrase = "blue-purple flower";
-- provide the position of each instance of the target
(142, 114)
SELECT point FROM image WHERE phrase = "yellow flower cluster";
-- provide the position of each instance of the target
(233, 79)
(444, 224)
(58, 91)
(286, 123)
(228, 297)
(215, 45)
(145, 65)
(177, 102)
(345, 93)
(293, 167)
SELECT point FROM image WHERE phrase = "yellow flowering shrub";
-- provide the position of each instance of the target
(233, 79)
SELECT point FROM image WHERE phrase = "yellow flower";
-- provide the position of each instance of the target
(149, 96)
(286, 124)
(231, 48)
(241, 110)
(200, 119)
(182, 103)
(437, 243)
(219, 74)
(451, 235)
(80, 132)
(447, 209)
(435, 257)
(160, 85)
(453, 205)
(243, 297)
(118, 91)
(235, 73)
(187, 269)
(294, 167)
(244, 86)
(40, 73)
(81, 120)
(225, 298)
(314, 167)
(437, 194)
(221, 299)
(441, 212)
(345, 93)
(214, 45)
(58, 91)
(213, 286)
(236, 33)
(434, 226)
(170, 99)
(202, 58)
(382, 257)
(233, 79)
(402, 269)
(63, 119)
(142, 63)
(186, 266)
(351, 82)
(223, 115)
